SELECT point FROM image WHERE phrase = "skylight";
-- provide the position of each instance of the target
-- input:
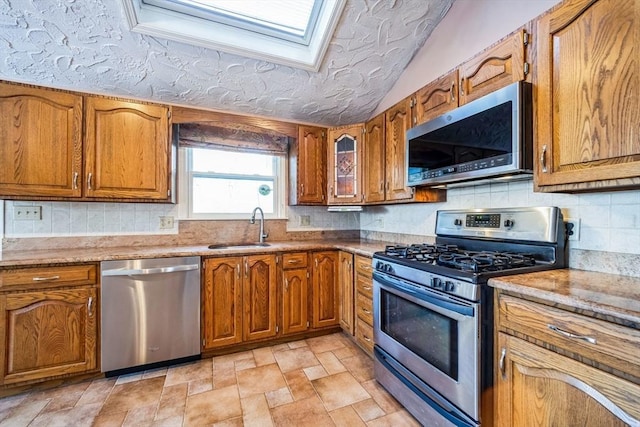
(288, 32)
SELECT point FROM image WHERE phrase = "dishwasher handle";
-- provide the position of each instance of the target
(145, 271)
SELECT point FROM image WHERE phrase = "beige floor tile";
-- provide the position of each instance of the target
(172, 402)
(298, 344)
(64, 401)
(97, 392)
(360, 367)
(330, 362)
(400, 418)
(200, 386)
(114, 419)
(263, 356)
(153, 373)
(24, 413)
(175, 421)
(306, 412)
(299, 384)
(346, 417)
(339, 390)
(142, 415)
(326, 343)
(315, 372)
(386, 402)
(260, 380)
(129, 378)
(212, 407)
(298, 358)
(188, 372)
(10, 402)
(233, 357)
(279, 397)
(255, 411)
(244, 364)
(224, 377)
(368, 410)
(281, 347)
(231, 422)
(127, 396)
(81, 416)
(344, 352)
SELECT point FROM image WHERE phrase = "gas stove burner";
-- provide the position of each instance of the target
(485, 261)
(419, 251)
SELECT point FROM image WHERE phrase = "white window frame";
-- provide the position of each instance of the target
(185, 178)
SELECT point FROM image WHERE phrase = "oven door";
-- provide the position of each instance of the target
(433, 335)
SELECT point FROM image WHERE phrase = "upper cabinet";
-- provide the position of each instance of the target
(588, 109)
(344, 158)
(496, 67)
(123, 154)
(308, 167)
(384, 164)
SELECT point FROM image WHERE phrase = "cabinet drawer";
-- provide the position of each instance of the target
(363, 265)
(65, 275)
(603, 342)
(364, 335)
(364, 307)
(294, 260)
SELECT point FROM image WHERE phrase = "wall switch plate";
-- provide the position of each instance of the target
(305, 219)
(572, 226)
(24, 213)
(166, 222)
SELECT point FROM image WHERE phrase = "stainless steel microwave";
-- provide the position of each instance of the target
(487, 138)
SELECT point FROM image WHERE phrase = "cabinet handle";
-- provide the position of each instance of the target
(238, 270)
(543, 159)
(366, 338)
(462, 86)
(501, 364)
(90, 306)
(45, 279)
(246, 268)
(293, 261)
(301, 188)
(570, 335)
(367, 288)
(452, 91)
(286, 284)
(365, 310)
(75, 180)
(89, 177)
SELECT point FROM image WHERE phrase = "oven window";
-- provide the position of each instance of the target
(428, 334)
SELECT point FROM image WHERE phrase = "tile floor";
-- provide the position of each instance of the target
(323, 381)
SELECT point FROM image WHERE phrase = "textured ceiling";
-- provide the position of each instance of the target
(86, 45)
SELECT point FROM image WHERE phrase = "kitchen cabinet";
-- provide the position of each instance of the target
(49, 322)
(295, 293)
(325, 296)
(239, 300)
(345, 268)
(384, 165)
(587, 111)
(364, 303)
(344, 158)
(499, 65)
(308, 167)
(60, 145)
(558, 367)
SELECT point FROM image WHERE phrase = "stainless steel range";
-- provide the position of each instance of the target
(433, 309)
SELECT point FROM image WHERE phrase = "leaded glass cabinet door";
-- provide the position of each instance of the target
(345, 169)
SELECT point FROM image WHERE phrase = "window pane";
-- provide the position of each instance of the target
(216, 195)
(229, 162)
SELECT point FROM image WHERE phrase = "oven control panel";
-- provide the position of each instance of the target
(483, 220)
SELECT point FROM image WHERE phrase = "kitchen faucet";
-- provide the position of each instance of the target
(263, 235)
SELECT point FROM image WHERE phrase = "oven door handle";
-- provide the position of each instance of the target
(426, 295)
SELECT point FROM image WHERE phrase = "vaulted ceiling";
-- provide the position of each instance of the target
(86, 45)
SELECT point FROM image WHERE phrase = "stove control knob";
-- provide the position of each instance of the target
(457, 222)
(436, 283)
(508, 223)
(388, 268)
(379, 265)
(449, 286)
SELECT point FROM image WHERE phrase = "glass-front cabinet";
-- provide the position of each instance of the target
(345, 169)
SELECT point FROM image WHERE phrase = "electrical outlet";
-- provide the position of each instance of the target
(24, 213)
(573, 229)
(305, 220)
(166, 222)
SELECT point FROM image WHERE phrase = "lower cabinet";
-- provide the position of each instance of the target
(49, 322)
(239, 300)
(560, 368)
(345, 278)
(295, 293)
(325, 297)
(364, 303)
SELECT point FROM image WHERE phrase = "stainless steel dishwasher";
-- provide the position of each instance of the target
(150, 312)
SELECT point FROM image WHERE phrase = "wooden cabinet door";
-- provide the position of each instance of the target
(588, 111)
(222, 302)
(40, 142)
(345, 284)
(259, 297)
(437, 98)
(295, 301)
(311, 166)
(127, 149)
(344, 158)
(325, 289)
(537, 387)
(48, 333)
(494, 68)
(398, 121)
(373, 169)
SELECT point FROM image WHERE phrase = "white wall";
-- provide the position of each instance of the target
(468, 27)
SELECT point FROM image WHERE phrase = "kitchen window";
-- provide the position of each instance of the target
(225, 184)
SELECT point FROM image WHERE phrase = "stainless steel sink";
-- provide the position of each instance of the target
(238, 245)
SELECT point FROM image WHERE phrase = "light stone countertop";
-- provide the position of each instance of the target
(607, 296)
(10, 259)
